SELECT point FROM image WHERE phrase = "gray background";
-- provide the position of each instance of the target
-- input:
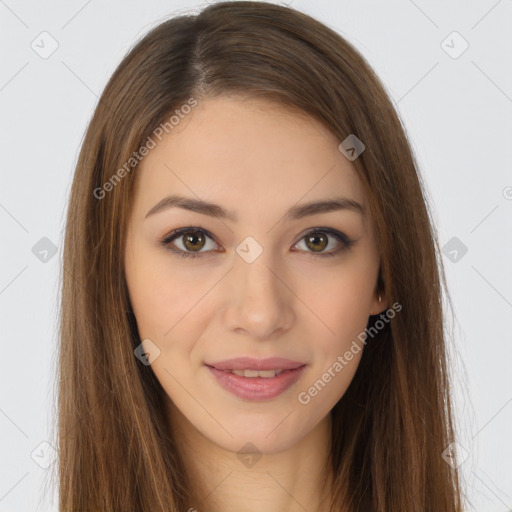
(456, 108)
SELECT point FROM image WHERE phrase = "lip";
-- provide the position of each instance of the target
(251, 363)
(256, 388)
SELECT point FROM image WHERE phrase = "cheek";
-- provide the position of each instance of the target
(342, 302)
(170, 311)
(159, 295)
(341, 299)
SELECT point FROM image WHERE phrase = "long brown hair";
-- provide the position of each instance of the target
(393, 424)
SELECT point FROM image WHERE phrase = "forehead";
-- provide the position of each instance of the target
(245, 153)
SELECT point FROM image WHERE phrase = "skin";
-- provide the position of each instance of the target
(256, 159)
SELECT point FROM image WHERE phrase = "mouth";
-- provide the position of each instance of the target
(251, 374)
(256, 380)
(252, 364)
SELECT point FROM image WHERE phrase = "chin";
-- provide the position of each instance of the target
(258, 442)
(269, 432)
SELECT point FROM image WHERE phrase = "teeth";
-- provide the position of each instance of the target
(266, 374)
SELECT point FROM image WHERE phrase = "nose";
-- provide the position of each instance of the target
(260, 302)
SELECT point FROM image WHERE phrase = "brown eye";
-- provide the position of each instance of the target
(317, 242)
(193, 240)
(189, 242)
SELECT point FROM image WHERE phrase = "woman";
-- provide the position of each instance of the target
(251, 305)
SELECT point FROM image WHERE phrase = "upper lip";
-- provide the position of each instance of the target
(250, 363)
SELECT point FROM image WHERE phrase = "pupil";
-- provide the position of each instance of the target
(191, 239)
(314, 239)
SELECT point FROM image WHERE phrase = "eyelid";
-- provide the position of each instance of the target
(341, 237)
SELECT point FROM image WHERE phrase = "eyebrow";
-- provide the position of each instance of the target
(294, 213)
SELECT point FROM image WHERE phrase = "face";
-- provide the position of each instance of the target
(261, 282)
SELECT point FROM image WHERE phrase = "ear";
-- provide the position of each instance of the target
(378, 306)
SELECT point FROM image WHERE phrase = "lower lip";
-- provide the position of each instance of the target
(256, 388)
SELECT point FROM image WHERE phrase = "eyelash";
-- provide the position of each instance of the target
(341, 237)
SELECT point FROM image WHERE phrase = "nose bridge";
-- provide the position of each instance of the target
(260, 303)
(253, 263)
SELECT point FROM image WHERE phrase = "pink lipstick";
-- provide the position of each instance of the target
(256, 379)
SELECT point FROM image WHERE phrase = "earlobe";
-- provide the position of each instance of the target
(379, 304)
